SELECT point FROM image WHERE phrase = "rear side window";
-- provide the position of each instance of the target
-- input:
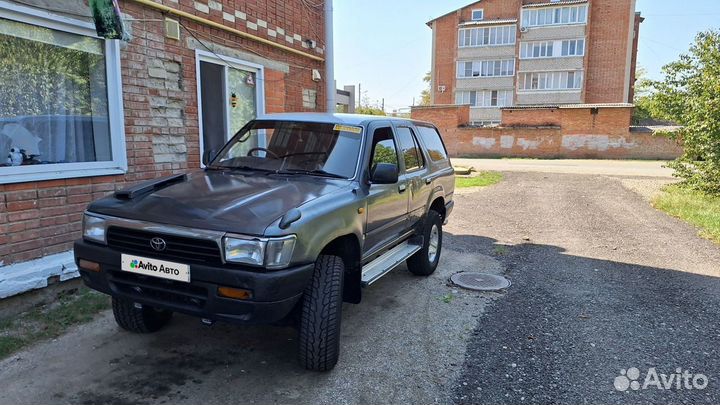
(409, 149)
(433, 142)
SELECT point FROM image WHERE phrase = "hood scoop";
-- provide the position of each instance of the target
(149, 187)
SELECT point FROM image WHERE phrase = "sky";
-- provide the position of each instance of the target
(385, 46)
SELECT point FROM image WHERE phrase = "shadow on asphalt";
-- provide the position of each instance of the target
(569, 325)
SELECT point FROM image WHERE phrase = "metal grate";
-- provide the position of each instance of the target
(178, 248)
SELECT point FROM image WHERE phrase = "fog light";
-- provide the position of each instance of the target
(88, 265)
(234, 293)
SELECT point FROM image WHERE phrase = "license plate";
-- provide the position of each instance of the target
(155, 268)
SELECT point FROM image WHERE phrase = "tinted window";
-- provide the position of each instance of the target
(433, 143)
(295, 147)
(384, 150)
(409, 148)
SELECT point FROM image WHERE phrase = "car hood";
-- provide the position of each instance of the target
(222, 201)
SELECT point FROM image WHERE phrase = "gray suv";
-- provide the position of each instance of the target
(294, 215)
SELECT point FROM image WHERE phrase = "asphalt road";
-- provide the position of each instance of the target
(601, 282)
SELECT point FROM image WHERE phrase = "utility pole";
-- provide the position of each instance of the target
(383, 104)
(329, 57)
(359, 95)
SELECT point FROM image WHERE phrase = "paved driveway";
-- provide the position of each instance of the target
(601, 282)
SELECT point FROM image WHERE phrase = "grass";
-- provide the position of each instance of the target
(500, 250)
(695, 207)
(482, 179)
(50, 321)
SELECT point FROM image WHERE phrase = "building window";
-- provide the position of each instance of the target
(485, 98)
(478, 15)
(61, 109)
(486, 68)
(551, 81)
(552, 49)
(487, 36)
(573, 47)
(538, 17)
(532, 50)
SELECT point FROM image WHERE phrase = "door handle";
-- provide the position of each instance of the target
(402, 187)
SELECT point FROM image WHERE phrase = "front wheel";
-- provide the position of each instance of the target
(425, 261)
(321, 312)
(139, 318)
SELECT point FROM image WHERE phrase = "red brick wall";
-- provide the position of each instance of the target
(607, 121)
(42, 218)
(609, 38)
(548, 133)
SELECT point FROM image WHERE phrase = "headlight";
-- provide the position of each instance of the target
(94, 229)
(271, 253)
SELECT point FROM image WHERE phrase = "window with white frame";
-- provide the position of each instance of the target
(573, 47)
(552, 49)
(532, 50)
(487, 36)
(538, 17)
(478, 15)
(550, 81)
(61, 108)
(486, 68)
(485, 98)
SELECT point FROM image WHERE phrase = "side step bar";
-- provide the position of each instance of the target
(377, 268)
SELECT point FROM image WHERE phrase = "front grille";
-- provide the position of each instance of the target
(161, 290)
(178, 248)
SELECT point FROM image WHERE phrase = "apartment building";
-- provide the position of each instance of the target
(494, 54)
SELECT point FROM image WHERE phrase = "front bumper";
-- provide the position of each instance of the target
(274, 293)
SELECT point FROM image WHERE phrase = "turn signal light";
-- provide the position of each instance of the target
(234, 293)
(88, 265)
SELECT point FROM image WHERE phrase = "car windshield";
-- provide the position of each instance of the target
(291, 147)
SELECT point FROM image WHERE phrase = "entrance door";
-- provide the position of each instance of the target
(230, 94)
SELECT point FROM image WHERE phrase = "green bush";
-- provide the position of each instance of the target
(690, 96)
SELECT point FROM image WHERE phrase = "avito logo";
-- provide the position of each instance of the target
(679, 380)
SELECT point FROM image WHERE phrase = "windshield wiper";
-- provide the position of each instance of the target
(318, 172)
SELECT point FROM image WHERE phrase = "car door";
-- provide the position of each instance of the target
(386, 203)
(415, 172)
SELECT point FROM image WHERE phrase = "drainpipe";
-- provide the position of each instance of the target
(329, 58)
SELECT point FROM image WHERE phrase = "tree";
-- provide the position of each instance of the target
(643, 98)
(425, 94)
(690, 96)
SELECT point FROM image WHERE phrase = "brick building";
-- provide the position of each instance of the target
(502, 53)
(94, 115)
(541, 79)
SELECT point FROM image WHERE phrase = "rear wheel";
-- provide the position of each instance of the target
(321, 313)
(144, 319)
(425, 261)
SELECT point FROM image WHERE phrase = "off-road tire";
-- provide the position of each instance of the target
(420, 263)
(139, 320)
(321, 313)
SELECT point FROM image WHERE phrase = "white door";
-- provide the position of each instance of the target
(230, 94)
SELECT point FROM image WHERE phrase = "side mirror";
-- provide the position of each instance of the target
(384, 173)
(208, 156)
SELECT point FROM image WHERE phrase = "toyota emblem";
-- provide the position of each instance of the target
(158, 244)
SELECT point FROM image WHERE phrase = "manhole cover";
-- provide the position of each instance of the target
(480, 281)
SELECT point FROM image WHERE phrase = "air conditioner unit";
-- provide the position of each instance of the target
(442, 89)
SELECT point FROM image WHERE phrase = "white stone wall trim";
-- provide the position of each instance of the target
(34, 274)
